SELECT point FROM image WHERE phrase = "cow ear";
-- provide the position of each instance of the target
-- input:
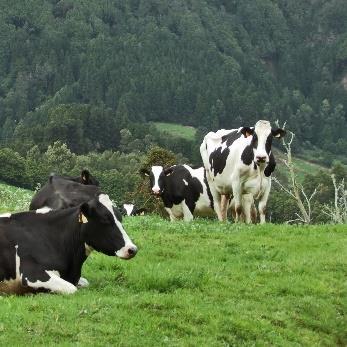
(168, 171)
(278, 133)
(247, 131)
(144, 172)
(85, 176)
(84, 213)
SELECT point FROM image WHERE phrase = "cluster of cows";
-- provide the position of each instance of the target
(45, 248)
(237, 167)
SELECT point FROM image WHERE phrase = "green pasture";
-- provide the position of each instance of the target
(200, 284)
(176, 130)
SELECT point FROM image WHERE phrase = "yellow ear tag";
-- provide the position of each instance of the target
(82, 218)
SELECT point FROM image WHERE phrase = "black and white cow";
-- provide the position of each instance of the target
(183, 190)
(132, 210)
(59, 193)
(46, 251)
(239, 163)
(85, 178)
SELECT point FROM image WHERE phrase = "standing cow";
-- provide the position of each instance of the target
(239, 163)
(46, 251)
(183, 190)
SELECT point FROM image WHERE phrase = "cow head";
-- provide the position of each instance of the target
(262, 135)
(102, 229)
(88, 179)
(157, 176)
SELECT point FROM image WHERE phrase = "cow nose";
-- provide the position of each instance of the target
(156, 190)
(261, 159)
(132, 251)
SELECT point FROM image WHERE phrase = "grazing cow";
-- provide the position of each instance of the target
(183, 190)
(46, 251)
(239, 163)
(132, 210)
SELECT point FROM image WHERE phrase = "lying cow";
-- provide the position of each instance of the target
(61, 193)
(183, 190)
(85, 178)
(239, 163)
(46, 251)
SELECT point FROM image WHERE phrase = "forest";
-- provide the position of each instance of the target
(83, 82)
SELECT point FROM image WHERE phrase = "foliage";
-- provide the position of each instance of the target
(81, 71)
(200, 284)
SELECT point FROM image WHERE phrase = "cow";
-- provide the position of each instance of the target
(85, 178)
(46, 251)
(61, 193)
(239, 163)
(132, 210)
(183, 190)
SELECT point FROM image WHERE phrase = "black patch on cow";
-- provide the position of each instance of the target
(270, 168)
(231, 137)
(192, 193)
(218, 159)
(268, 144)
(247, 155)
(208, 190)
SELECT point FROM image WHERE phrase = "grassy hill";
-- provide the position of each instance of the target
(200, 284)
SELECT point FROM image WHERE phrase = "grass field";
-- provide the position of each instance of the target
(13, 198)
(198, 284)
(177, 130)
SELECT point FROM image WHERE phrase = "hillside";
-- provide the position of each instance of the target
(80, 71)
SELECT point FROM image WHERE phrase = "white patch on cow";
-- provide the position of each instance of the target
(5, 215)
(83, 282)
(88, 248)
(55, 284)
(156, 170)
(128, 208)
(123, 252)
(185, 182)
(44, 210)
(263, 130)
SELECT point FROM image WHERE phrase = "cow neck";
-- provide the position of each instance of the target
(71, 235)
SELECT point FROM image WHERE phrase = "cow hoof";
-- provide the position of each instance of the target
(82, 282)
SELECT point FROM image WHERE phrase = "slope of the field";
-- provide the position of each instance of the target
(203, 283)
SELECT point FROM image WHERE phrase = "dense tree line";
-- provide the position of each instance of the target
(81, 71)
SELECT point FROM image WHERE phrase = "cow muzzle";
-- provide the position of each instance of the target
(156, 192)
(261, 159)
(127, 252)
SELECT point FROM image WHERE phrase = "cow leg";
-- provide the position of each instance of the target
(171, 215)
(224, 206)
(34, 277)
(247, 201)
(237, 200)
(217, 203)
(263, 202)
(187, 214)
